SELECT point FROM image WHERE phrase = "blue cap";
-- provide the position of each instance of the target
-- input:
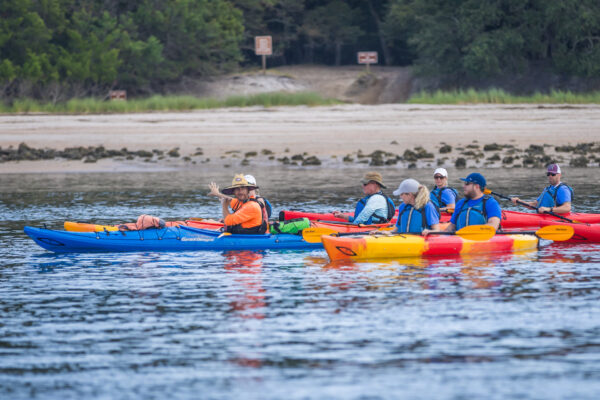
(475, 177)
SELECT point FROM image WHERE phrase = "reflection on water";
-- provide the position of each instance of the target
(286, 324)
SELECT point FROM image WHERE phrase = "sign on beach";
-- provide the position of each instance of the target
(367, 57)
(117, 94)
(263, 45)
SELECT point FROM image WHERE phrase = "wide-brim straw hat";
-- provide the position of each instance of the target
(375, 177)
(239, 181)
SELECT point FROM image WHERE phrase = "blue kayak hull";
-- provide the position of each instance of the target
(167, 239)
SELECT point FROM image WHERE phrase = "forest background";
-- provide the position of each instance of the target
(54, 50)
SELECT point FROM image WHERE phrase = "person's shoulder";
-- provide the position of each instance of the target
(492, 204)
(461, 202)
(401, 207)
(429, 206)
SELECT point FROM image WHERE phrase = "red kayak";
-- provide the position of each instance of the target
(584, 233)
(510, 219)
(291, 214)
(516, 219)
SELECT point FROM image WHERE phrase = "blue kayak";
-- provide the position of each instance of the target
(179, 238)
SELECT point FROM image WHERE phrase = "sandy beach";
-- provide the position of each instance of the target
(329, 133)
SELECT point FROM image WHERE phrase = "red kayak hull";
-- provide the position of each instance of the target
(584, 233)
(510, 219)
(291, 214)
(516, 219)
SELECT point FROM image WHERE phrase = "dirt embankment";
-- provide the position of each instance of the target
(352, 83)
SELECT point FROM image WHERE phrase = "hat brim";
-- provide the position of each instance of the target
(396, 193)
(371, 180)
(230, 189)
(469, 181)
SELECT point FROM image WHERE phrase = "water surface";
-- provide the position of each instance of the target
(285, 324)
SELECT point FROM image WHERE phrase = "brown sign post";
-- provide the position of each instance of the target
(367, 57)
(263, 46)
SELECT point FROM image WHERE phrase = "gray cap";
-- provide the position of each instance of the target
(407, 186)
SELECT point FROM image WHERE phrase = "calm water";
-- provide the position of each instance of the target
(290, 325)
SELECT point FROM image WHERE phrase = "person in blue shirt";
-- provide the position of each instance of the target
(556, 197)
(375, 207)
(442, 196)
(417, 212)
(474, 208)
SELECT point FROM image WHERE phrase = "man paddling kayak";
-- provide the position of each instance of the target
(248, 216)
(442, 196)
(556, 197)
(375, 207)
(475, 208)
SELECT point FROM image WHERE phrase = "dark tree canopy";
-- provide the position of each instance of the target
(56, 49)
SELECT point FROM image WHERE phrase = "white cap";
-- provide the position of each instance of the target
(407, 186)
(250, 179)
(441, 171)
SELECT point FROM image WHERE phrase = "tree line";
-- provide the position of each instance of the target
(57, 49)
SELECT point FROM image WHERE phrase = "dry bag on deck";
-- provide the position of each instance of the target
(291, 226)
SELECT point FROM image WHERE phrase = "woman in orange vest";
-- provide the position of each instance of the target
(247, 216)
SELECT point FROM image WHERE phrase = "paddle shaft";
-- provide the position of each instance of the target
(532, 207)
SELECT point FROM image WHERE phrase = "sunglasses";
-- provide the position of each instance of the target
(467, 183)
(438, 177)
(550, 174)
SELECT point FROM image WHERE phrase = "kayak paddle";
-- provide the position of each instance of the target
(472, 232)
(557, 233)
(487, 191)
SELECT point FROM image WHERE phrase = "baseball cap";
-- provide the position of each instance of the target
(250, 179)
(441, 171)
(475, 177)
(554, 168)
(407, 186)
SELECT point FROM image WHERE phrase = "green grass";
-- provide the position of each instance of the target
(499, 96)
(165, 103)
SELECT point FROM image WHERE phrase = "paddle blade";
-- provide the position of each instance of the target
(477, 232)
(558, 233)
(313, 235)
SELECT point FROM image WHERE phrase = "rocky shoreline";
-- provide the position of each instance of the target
(490, 155)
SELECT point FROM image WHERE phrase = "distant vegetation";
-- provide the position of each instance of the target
(497, 96)
(54, 50)
(164, 103)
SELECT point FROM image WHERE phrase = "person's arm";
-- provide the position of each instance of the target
(339, 214)
(515, 200)
(225, 208)
(494, 213)
(433, 220)
(494, 222)
(373, 204)
(214, 191)
(563, 197)
(449, 198)
(450, 228)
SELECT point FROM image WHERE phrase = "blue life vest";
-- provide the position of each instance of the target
(549, 195)
(376, 219)
(268, 206)
(475, 215)
(436, 196)
(412, 220)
